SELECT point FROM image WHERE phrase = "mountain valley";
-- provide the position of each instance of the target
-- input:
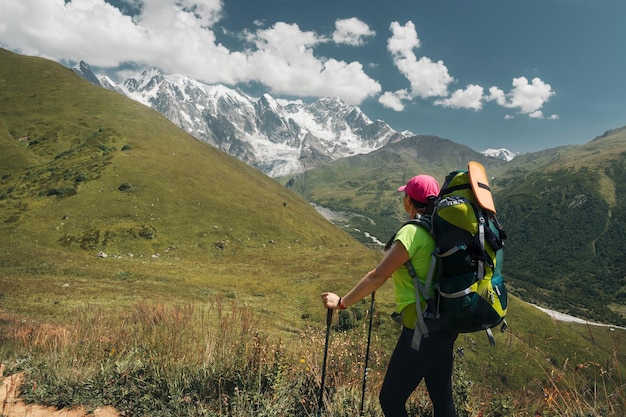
(187, 227)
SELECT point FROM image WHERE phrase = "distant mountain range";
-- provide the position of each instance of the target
(501, 153)
(277, 136)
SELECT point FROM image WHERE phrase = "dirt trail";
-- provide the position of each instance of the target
(12, 406)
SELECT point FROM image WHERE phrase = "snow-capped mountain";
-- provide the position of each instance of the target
(277, 136)
(502, 153)
(84, 70)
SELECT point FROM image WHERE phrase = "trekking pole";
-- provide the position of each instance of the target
(367, 355)
(329, 319)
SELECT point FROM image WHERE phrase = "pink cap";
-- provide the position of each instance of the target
(420, 187)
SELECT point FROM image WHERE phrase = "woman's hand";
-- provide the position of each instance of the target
(374, 279)
(331, 300)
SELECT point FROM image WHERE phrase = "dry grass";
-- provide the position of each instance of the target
(219, 358)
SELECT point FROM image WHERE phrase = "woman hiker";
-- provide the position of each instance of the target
(407, 366)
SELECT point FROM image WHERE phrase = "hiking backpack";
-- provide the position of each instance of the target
(467, 262)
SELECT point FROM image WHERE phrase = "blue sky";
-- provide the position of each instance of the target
(519, 74)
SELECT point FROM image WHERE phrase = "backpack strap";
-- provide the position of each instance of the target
(420, 326)
(481, 239)
(459, 187)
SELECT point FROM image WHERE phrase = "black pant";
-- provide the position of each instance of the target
(407, 368)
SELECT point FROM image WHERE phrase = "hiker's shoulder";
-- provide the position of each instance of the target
(416, 226)
(421, 222)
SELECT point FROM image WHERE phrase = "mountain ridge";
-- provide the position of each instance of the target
(279, 137)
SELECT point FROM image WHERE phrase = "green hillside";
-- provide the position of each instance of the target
(207, 302)
(564, 209)
(122, 178)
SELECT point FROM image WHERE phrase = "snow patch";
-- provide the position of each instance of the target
(502, 153)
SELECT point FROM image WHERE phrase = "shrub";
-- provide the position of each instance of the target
(147, 232)
(106, 148)
(61, 192)
(125, 187)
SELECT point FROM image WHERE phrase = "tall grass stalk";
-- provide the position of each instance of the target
(163, 360)
(591, 390)
(157, 359)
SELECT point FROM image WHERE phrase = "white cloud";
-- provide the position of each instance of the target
(529, 98)
(497, 95)
(54, 29)
(470, 98)
(394, 100)
(284, 61)
(285, 102)
(404, 39)
(554, 117)
(351, 31)
(427, 78)
(208, 12)
(177, 37)
(168, 34)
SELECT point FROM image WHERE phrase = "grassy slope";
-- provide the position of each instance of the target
(209, 217)
(216, 223)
